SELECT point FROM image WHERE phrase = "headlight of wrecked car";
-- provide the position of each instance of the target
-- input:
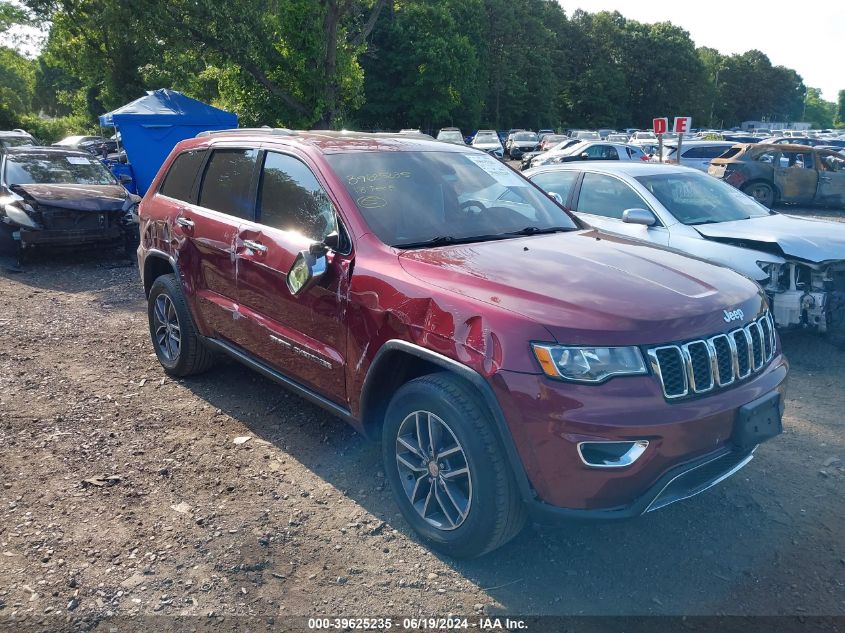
(771, 271)
(19, 216)
(588, 364)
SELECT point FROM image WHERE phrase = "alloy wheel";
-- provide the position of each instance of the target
(434, 471)
(168, 335)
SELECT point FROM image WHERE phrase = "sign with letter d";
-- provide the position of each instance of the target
(660, 126)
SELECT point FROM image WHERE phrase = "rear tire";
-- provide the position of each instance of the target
(762, 192)
(464, 502)
(177, 345)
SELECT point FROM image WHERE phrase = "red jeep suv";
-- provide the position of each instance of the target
(514, 362)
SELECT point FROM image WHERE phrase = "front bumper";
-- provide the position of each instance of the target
(72, 237)
(690, 443)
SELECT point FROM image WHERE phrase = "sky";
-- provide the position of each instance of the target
(740, 25)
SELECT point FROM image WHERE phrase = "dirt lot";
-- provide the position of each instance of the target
(297, 519)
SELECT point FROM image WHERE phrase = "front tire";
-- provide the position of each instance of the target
(177, 345)
(448, 471)
(762, 192)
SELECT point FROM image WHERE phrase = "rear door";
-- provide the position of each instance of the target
(699, 157)
(206, 206)
(302, 336)
(796, 177)
(602, 200)
(831, 188)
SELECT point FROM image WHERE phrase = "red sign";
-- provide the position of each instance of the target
(660, 126)
(682, 124)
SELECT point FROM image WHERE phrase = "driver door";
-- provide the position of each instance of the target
(831, 188)
(796, 177)
(303, 336)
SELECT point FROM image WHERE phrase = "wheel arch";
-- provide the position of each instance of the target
(156, 264)
(399, 361)
(765, 181)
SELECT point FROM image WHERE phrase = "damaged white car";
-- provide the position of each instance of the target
(799, 262)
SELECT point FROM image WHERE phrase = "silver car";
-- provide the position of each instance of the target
(695, 154)
(800, 263)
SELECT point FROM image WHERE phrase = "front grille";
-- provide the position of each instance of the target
(58, 219)
(699, 366)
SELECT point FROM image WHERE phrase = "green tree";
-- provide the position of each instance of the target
(17, 85)
(818, 111)
(840, 109)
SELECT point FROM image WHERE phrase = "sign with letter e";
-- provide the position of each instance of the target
(660, 126)
(682, 124)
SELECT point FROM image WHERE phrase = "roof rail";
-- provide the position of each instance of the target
(277, 131)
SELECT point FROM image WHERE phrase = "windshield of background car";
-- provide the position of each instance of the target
(450, 136)
(696, 198)
(15, 141)
(485, 138)
(411, 197)
(55, 169)
(525, 136)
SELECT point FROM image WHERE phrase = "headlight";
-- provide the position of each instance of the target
(588, 364)
(19, 216)
(771, 270)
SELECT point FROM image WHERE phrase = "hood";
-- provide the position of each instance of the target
(531, 144)
(801, 238)
(486, 146)
(589, 287)
(75, 197)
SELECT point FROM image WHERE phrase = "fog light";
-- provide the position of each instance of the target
(611, 454)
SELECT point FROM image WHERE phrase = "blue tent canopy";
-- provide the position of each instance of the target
(151, 126)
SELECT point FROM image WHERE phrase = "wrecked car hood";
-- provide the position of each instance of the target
(801, 238)
(75, 197)
(587, 287)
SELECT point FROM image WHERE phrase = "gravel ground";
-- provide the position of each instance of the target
(125, 492)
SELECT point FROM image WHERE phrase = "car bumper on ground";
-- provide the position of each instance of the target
(691, 445)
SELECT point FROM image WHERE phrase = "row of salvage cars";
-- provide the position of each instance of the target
(60, 197)
(799, 262)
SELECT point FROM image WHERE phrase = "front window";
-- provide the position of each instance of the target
(525, 136)
(410, 198)
(15, 141)
(696, 198)
(450, 136)
(55, 169)
(485, 137)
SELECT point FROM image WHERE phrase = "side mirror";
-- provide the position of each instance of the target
(307, 268)
(124, 179)
(639, 216)
(554, 195)
(585, 156)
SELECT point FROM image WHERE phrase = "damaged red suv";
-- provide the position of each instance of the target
(514, 362)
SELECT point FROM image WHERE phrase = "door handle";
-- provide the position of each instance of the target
(185, 223)
(258, 247)
(825, 178)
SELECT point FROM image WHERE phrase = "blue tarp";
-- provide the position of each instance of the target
(151, 126)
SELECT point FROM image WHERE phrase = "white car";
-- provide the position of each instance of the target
(488, 141)
(800, 263)
(590, 150)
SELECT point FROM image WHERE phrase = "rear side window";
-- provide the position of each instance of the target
(559, 182)
(800, 160)
(179, 181)
(733, 151)
(227, 184)
(706, 151)
(291, 198)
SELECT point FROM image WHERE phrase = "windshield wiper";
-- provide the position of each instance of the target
(445, 240)
(536, 230)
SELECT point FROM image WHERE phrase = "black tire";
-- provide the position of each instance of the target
(8, 244)
(495, 512)
(762, 192)
(192, 357)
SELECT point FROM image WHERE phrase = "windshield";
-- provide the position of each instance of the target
(15, 141)
(451, 135)
(412, 197)
(55, 169)
(525, 136)
(696, 198)
(485, 137)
